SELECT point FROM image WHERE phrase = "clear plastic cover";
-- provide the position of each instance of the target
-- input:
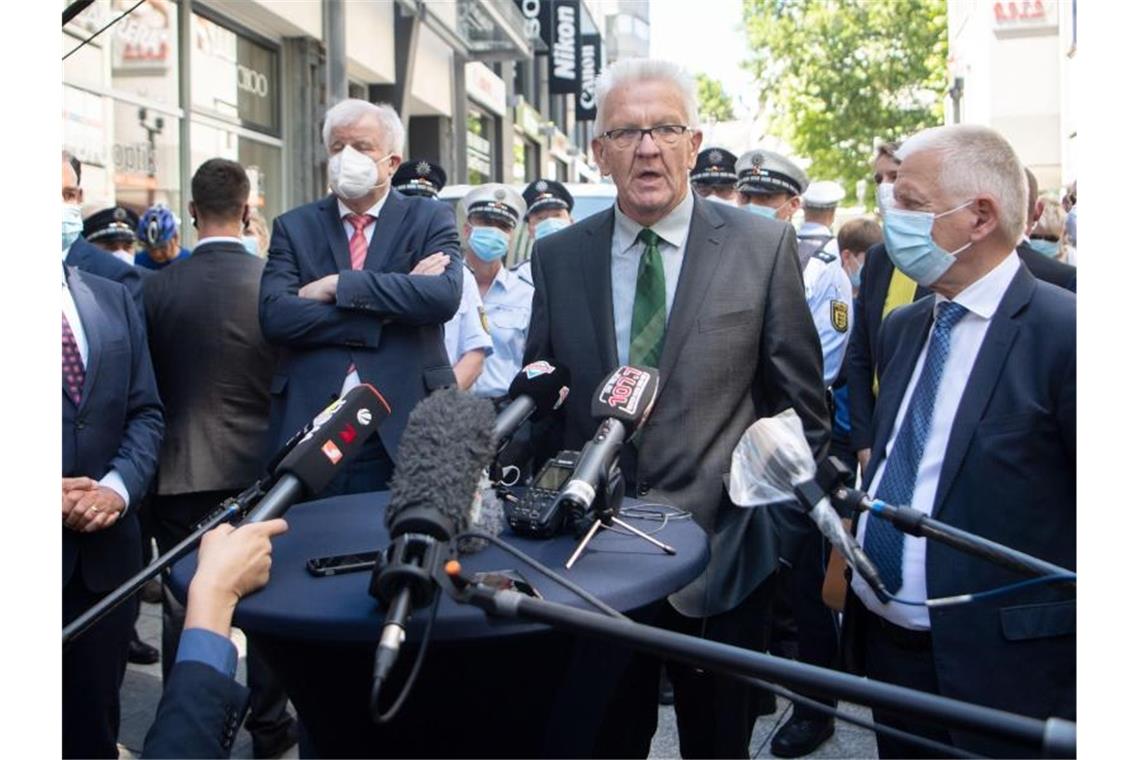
(771, 457)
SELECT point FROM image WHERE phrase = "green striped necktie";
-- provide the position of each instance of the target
(647, 332)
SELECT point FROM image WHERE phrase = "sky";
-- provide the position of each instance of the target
(712, 42)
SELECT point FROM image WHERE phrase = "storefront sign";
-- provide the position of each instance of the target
(537, 15)
(486, 88)
(478, 154)
(566, 37)
(528, 120)
(1025, 15)
(560, 145)
(234, 76)
(590, 65)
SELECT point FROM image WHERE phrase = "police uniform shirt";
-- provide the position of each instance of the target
(817, 230)
(465, 331)
(507, 304)
(828, 291)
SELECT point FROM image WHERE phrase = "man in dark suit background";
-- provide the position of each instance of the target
(884, 288)
(712, 296)
(213, 369)
(112, 430)
(975, 425)
(82, 255)
(357, 288)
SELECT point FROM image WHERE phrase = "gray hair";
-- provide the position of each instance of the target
(350, 111)
(976, 160)
(644, 70)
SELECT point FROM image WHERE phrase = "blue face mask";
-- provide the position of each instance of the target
(1049, 248)
(488, 243)
(547, 226)
(72, 224)
(765, 211)
(907, 235)
(856, 277)
(250, 243)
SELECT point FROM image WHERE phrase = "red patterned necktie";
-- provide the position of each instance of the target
(73, 370)
(358, 244)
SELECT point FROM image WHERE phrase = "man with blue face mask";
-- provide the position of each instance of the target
(975, 425)
(493, 213)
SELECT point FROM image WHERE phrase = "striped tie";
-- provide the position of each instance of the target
(647, 331)
(358, 244)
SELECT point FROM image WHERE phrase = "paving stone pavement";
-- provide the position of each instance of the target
(142, 688)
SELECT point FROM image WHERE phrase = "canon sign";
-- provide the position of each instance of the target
(589, 64)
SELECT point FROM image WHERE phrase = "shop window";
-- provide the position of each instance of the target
(262, 163)
(234, 77)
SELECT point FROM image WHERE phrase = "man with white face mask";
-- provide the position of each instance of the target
(975, 425)
(358, 286)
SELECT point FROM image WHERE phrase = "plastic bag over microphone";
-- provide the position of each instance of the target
(771, 458)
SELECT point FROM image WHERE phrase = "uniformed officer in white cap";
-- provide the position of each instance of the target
(821, 199)
(494, 212)
(770, 184)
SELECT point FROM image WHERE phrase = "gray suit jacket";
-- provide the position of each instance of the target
(739, 345)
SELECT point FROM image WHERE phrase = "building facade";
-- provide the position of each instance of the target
(175, 83)
(1011, 67)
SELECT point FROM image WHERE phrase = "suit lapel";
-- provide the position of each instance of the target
(91, 316)
(983, 379)
(702, 249)
(334, 232)
(598, 286)
(386, 226)
(892, 388)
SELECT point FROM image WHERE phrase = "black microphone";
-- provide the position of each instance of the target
(538, 390)
(334, 437)
(446, 445)
(622, 402)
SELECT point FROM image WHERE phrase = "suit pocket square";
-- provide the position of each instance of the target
(725, 321)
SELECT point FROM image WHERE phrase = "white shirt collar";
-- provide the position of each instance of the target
(672, 228)
(983, 296)
(217, 239)
(373, 212)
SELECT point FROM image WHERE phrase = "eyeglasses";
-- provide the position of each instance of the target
(662, 134)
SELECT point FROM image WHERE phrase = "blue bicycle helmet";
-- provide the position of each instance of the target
(157, 226)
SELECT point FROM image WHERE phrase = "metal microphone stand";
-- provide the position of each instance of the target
(605, 510)
(234, 507)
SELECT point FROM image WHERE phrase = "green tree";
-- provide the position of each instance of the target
(713, 102)
(838, 74)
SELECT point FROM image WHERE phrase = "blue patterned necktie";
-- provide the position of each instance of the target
(882, 541)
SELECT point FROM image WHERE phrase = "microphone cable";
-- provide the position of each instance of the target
(977, 596)
(411, 680)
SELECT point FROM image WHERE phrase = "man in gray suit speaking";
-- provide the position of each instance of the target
(712, 297)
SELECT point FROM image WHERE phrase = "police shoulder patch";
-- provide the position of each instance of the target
(483, 320)
(824, 256)
(839, 315)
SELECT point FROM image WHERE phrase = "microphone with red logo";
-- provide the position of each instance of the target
(335, 435)
(622, 402)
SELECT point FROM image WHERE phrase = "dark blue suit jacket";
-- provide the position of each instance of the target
(387, 322)
(1009, 475)
(90, 258)
(117, 425)
(198, 715)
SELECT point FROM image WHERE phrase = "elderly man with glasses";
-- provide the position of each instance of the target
(711, 296)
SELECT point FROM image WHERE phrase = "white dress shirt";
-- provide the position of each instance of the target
(981, 299)
(112, 479)
(625, 260)
(352, 379)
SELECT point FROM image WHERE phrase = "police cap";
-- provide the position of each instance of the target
(495, 201)
(823, 195)
(715, 166)
(115, 223)
(419, 177)
(547, 193)
(765, 172)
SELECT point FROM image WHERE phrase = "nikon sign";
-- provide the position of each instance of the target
(565, 34)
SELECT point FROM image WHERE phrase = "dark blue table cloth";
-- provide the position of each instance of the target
(624, 571)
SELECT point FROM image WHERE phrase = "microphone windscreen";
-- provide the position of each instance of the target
(627, 395)
(446, 444)
(771, 458)
(546, 383)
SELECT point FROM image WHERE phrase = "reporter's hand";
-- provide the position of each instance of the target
(231, 564)
(323, 290)
(433, 265)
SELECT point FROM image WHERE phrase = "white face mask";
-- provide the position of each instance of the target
(721, 201)
(352, 174)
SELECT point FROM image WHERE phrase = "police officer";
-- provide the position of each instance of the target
(821, 199)
(113, 230)
(772, 186)
(493, 214)
(466, 335)
(419, 177)
(714, 176)
(548, 207)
